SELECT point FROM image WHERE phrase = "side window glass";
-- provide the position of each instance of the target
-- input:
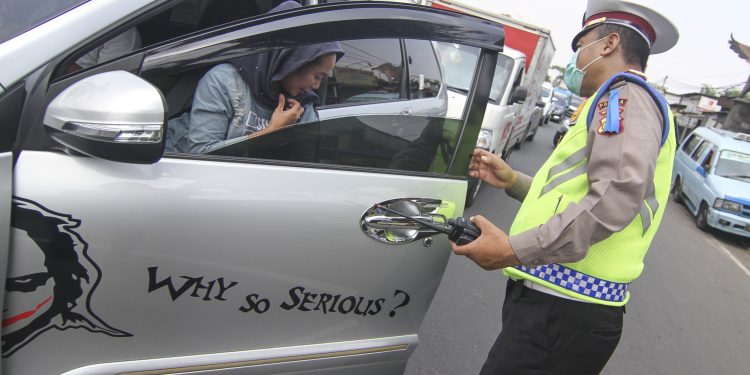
(707, 161)
(691, 144)
(424, 72)
(500, 80)
(369, 71)
(225, 116)
(699, 151)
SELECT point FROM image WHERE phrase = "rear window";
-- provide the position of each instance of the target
(17, 17)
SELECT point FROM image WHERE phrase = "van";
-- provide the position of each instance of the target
(711, 177)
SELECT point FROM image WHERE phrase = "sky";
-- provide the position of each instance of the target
(702, 54)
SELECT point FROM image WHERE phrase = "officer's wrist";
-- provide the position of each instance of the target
(513, 179)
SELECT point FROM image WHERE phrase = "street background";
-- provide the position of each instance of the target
(689, 311)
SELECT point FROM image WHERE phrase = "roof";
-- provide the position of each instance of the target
(726, 139)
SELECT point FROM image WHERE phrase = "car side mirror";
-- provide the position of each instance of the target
(540, 103)
(519, 95)
(114, 115)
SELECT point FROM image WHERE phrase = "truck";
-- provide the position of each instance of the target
(515, 109)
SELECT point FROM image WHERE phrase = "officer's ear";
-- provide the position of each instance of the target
(611, 44)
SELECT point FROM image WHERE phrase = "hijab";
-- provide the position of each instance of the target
(263, 72)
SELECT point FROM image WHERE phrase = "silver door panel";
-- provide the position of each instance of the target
(269, 229)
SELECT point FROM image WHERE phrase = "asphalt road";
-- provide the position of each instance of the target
(689, 313)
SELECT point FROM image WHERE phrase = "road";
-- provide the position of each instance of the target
(689, 312)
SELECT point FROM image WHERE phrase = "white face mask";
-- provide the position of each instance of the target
(573, 76)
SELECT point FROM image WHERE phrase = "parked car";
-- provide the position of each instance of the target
(560, 100)
(546, 97)
(712, 178)
(268, 256)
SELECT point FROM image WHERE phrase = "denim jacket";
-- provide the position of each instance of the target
(223, 109)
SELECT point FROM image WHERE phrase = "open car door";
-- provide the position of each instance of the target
(266, 256)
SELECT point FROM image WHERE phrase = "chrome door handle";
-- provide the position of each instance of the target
(391, 229)
(394, 222)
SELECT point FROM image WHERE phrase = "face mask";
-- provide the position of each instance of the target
(573, 76)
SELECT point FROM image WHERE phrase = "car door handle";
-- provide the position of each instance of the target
(392, 229)
(391, 223)
(405, 112)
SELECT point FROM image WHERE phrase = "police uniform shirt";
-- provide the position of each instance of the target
(620, 173)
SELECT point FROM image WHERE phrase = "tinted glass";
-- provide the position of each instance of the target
(699, 151)
(458, 63)
(576, 101)
(369, 71)
(503, 70)
(424, 72)
(19, 16)
(691, 144)
(545, 92)
(413, 143)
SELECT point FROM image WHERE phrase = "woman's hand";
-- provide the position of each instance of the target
(491, 169)
(282, 117)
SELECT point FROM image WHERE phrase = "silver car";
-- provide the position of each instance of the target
(270, 255)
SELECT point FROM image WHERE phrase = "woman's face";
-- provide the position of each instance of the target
(309, 79)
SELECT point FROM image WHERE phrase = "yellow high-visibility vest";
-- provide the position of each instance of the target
(611, 264)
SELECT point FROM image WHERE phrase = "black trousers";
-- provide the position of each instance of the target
(545, 334)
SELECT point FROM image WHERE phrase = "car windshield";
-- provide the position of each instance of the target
(545, 92)
(576, 101)
(733, 164)
(501, 77)
(458, 63)
(17, 17)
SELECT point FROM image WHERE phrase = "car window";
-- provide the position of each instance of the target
(503, 70)
(424, 71)
(214, 93)
(733, 164)
(691, 144)
(17, 17)
(545, 92)
(699, 151)
(369, 71)
(458, 63)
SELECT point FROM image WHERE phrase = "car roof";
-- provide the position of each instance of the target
(726, 139)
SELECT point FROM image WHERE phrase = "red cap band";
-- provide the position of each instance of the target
(629, 19)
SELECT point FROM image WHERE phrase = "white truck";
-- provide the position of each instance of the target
(514, 111)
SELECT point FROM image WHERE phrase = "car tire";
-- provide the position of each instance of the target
(677, 191)
(472, 191)
(701, 220)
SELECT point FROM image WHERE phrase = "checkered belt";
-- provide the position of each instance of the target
(579, 283)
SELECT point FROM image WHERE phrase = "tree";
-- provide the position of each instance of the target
(708, 90)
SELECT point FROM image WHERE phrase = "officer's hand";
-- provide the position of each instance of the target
(285, 116)
(491, 169)
(491, 250)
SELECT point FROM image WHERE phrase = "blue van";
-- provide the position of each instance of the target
(712, 177)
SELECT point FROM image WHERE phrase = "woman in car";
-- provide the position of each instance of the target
(253, 95)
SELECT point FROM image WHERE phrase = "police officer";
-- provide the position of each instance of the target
(589, 214)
